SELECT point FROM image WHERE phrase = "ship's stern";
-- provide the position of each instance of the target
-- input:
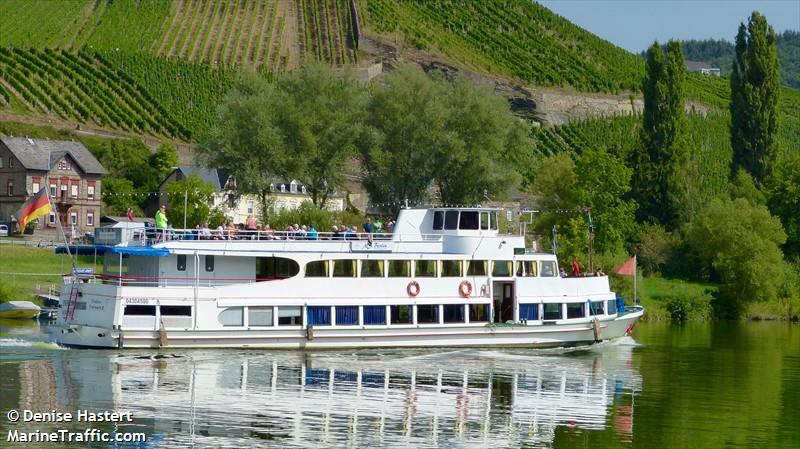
(88, 315)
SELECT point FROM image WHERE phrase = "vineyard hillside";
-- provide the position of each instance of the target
(159, 68)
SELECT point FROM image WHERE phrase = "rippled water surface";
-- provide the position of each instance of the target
(700, 385)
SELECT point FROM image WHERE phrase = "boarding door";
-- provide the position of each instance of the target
(503, 298)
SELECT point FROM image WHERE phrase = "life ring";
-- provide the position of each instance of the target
(413, 288)
(465, 288)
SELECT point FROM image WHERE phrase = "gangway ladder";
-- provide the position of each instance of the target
(74, 292)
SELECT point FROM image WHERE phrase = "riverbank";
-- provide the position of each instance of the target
(679, 300)
(27, 270)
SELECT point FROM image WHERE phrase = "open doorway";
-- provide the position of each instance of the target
(503, 298)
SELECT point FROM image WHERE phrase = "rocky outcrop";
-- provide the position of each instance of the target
(546, 106)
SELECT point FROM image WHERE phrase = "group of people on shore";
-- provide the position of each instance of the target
(252, 230)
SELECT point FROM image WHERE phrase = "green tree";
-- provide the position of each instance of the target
(482, 147)
(784, 200)
(196, 194)
(596, 181)
(118, 195)
(325, 125)
(408, 116)
(249, 139)
(164, 160)
(739, 242)
(661, 153)
(754, 98)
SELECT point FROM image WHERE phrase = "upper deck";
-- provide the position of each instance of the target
(456, 231)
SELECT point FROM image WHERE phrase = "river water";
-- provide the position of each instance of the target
(696, 385)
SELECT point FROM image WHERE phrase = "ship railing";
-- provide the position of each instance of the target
(155, 236)
(128, 280)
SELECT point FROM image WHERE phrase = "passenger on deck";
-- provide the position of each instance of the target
(335, 233)
(350, 234)
(576, 269)
(269, 232)
(205, 233)
(562, 272)
(250, 225)
(161, 222)
(312, 233)
(368, 228)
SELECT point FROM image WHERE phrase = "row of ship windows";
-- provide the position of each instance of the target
(401, 314)
(280, 267)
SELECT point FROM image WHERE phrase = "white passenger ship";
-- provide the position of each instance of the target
(444, 277)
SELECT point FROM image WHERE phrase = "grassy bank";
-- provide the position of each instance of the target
(27, 270)
(679, 300)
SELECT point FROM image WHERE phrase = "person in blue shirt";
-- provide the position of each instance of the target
(368, 228)
(312, 233)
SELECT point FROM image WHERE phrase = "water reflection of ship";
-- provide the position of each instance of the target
(491, 398)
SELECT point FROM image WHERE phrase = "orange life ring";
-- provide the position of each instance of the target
(413, 289)
(465, 288)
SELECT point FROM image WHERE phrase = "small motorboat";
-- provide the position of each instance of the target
(19, 310)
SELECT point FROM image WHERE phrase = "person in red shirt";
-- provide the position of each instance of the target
(576, 269)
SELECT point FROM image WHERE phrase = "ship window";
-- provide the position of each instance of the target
(344, 268)
(596, 307)
(317, 269)
(484, 221)
(319, 316)
(612, 307)
(290, 316)
(181, 262)
(576, 310)
(438, 220)
(549, 269)
(347, 315)
(451, 220)
(451, 268)
(427, 314)
(529, 266)
(259, 316)
(400, 314)
(469, 220)
(371, 268)
(209, 263)
(476, 267)
(425, 268)
(374, 314)
(552, 311)
(501, 268)
(140, 310)
(275, 268)
(453, 313)
(399, 268)
(529, 312)
(478, 313)
(176, 310)
(493, 222)
(232, 316)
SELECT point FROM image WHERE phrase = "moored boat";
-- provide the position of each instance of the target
(444, 277)
(23, 310)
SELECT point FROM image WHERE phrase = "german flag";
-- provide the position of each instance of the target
(37, 206)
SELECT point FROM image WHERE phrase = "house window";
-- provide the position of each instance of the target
(73, 218)
(35, 187)
(52, 218)
(89, 218)
(272, 187)
(90, 192)
(303, 189)
(283, 187)
(293, 187)
(74, 191)
(250, 208)
(10, 188)
(10, 162)
(53, 190)
(1, 162)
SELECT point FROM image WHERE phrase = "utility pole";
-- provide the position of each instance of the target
(185, 205)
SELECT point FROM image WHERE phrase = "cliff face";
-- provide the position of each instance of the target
(546, 106)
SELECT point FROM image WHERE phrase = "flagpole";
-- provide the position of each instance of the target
(635, 275)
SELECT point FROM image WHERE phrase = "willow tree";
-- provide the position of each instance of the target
(755, 84)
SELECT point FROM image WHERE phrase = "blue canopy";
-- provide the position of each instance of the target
(100, 249)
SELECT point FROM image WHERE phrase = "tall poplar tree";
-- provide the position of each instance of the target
(754, 97)
(662, 150)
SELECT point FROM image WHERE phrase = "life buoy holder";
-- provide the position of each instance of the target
(465, 288)
(412, 289)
